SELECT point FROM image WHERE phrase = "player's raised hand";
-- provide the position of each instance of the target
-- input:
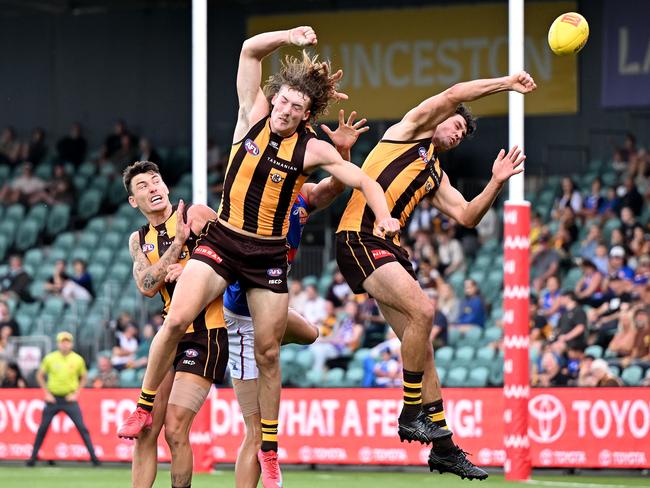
(507, 165)
(347, 133)
(303, 36)
(522, 82)
(335, 78)
(183, 228)
(387, 227)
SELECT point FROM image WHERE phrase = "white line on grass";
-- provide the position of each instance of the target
(574, 485)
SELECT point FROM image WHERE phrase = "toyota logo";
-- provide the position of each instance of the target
(548, 419)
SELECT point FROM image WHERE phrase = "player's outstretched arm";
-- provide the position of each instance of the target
(321, 154)
(252, 103)
(344, 137)
(450, 201)
(421, 121)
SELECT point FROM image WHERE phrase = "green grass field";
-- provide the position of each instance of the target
(69, 477)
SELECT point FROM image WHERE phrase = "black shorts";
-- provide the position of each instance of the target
(255, 263)
(204, 353)
(359, 254)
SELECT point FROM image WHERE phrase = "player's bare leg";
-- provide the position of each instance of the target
(145, 454)
(299, 330)
(269, 314)
(392, 286)
(445, 456)
(185, 402)
(196, 288)
(247, 468)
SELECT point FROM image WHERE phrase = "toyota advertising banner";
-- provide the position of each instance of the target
(571, 427)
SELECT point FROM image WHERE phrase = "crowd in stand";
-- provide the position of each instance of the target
(590, 276)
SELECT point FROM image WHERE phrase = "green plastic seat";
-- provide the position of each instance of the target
(27, 235)
(596, 351)
(478, 377)
(335, 378)
(53, 306)
(443, 356)
(632, 375)
(15, 212)
(25, 323)
(118, 273)
(463, 356)
(97, 225)
(99, 183)
(482, 263)
(121, 224)
(496, 373)
(5, 244)
(89, 240)
(453, 336)
(8, 229)
(81, 253)
(456, 377)
(38, 213)
(129, 378)
(87, 169)
(30, 309)
(484, 356)
(442, 374)
(305, 359)
(34, 257)
(89, 204)
(354, 377)
(492, 334)
(571, 279)
(58, 219)
(97, 271)
(359, 357)
(104, 256)
(127, 304)
(114, 240)
(471, 337)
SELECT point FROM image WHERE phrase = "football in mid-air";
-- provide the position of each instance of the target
(568, 34)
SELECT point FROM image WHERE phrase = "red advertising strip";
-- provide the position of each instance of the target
(579, 427)
(515, 341)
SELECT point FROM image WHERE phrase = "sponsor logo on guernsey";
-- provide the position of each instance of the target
(428, 186)
(422, 151)
(206, 251)
(274, 272)
(275, 282)
(276, 178)
(380, 254)
(147, 248)
(162, 232)
(191, 353)
(251, 147)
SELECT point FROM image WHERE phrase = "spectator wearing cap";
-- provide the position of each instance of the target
(572, 326)
(66, 375)
(617, 266)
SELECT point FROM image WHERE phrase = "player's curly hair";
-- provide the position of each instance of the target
(465, 113)
(135, 169)
(306, 75)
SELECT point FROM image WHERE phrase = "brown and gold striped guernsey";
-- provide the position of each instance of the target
(406, 171)
(154, 241)
(264, 175)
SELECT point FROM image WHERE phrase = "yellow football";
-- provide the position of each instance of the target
(568, 34)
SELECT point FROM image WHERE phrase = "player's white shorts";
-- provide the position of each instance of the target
(241, 351)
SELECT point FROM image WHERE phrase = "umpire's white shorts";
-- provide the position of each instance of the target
(241, 351)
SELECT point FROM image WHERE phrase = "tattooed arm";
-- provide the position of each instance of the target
(149, 278)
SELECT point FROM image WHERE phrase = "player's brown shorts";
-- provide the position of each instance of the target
(359, 254)
(204, 353)
(255, 263)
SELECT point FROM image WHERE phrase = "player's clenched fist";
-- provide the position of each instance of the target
(387, 227)
(302, 36)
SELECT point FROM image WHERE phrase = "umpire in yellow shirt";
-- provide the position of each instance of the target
(66, 375)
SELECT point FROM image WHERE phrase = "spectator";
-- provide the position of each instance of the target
(55, 283)
(126, 345)
(467, 237)
(549, 301)
(314, 310)
(601, 259)
(590, 287)
(612, 203)
(448, 302)
(114, 141)
(81, 277)
(617, 266)
(36, 150)
(601, 375)
(72, 148)
(488, 227)
(630, 196)
(22, 188)
(373, 322)
(6, 320)
(388, 370)
(13, 377)
(536, 230)
(339, 290)
(472, 308)
(422, 219)
(142, 353)
(59, 189)
(544, 263)
(628, 223)
(126, 154)
(9, 147)
(147, 152)
(540, 328)
(345, 339)
(549, 371)
(637, 243)
(593, 201)
(623, 341)
(641, 350)
(423, 247)
(450, 254)
(440, 325)
(604, 320)
(589, 244)
(124, 321)
(584, 375)
(570, 197)
(106, 376)
(15, 283)
(427, 275)
(297, 296)
(572, 326)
